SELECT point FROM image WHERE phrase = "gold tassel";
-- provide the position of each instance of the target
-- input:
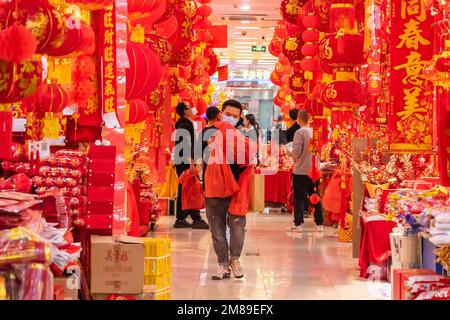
(138, 34)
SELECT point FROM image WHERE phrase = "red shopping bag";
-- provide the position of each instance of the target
(241, 199)
(192, 192)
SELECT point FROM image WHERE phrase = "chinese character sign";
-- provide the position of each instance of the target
(108, 28)
(411, 109)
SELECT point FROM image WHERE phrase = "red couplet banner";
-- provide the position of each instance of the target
(223, 73)
(410, 117)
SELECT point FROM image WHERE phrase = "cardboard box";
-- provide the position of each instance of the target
(400, 276)
(65, 288)
(117, 267)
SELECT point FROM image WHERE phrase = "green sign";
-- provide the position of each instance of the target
(259, 49)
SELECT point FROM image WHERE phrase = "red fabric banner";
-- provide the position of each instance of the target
(219, 36)
(443, 134)
(108, 51)
(223, 73)
(410, 116)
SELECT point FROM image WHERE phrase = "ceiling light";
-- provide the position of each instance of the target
(241, 42)
(246, 38)
(245, 7)
(242, 47)
(245, 21)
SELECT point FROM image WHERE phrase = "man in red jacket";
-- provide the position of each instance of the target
(231, 154)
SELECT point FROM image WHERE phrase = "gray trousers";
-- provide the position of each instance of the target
(218, 217)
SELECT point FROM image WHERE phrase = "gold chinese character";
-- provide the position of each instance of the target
(109, 71)
(412, 106)
(411, 38)
(109, 37)
(109, 88)
(291, 44)
(109, 54)
(414, 8)
(108, 20)
(413, 69)
(109, 105)
(91, 106)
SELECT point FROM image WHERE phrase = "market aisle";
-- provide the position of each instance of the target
(278, 265)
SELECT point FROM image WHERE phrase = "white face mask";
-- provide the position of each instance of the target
(230, 120)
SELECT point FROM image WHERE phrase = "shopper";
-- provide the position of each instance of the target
(252, 131)
(183, 158)
(303, 184)
(293, 114)
(217, 206)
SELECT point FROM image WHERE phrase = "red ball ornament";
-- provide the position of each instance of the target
(211, 61)
(310, 50)
(138, 111)
(49, 98)
(204, 11)
(310, 35)
(314, 198)
(299, 97)
(311, 21)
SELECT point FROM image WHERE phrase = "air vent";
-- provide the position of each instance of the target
(242, 17)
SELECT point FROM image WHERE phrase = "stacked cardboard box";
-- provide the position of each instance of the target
(157, 270)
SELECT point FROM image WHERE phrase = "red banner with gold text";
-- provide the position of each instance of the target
(410, 116)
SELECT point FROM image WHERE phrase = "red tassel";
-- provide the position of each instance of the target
(17, 44)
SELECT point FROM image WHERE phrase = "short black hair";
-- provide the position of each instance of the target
(211, 113)
(181, 108)
(293, 114)
(232, 103)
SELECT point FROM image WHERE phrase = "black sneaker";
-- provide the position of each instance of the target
(200, 224)
(182, 224)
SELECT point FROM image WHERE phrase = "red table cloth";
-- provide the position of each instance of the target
(375, 247)
(277, 186)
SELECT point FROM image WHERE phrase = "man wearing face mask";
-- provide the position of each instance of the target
(183, 157)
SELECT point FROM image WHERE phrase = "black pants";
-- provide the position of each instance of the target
(303, 186)
(183, 214)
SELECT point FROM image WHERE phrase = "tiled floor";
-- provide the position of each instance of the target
(278, 265)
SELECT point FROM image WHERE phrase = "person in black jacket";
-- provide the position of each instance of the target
(293, 114)
(183, 158)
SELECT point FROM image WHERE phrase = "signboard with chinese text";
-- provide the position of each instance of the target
(410, 116)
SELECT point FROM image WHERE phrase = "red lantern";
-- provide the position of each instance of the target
(314, 107)
(204, 11)
(201, 106)
(299, 97)
(49, 98)
(280, 30)
(197, 72)
(17, 44)
(43, 20)
(18, 81)
(292, 49)
(184, 34)
(183, 58)
(160, 46)
(310, 35)
(294, 29)
(167, 28)
(275, 48)
(296, 81)
(346, 93)
(77, 41)
(291, 9)
(138, 111)
(211, 61)
(178, 80)
(145, 70)
(342, 50)
(342, 15)
(276, 78)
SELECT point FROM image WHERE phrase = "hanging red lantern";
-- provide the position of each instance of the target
(138, 111)
(18, 81)
(77, 42)
(294, 29)
(178, 81)
(201, 106)
(299, 97)
(342, 50)
(314, 107)
(145, 70)
(275, 78)
(167, 28)
(141, 6)
(342, 15)
(160, 46)
(278, 101)
(49, 98)
(204, 11)
(292, 49)
(184, 34)
(197, 72)
(211, 61)
(17, 44)
(183, 57)
(46, 23)
(275, 47)
(344, 92)
(280, 30)
(296, 81)
(291, 9)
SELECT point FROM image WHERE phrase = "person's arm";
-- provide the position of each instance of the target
(298, 146)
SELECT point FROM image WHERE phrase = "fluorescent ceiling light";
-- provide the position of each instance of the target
(245, 21)
(245, 7)
(246, 38)
(241, 42)
(248, 28)
(243, 47)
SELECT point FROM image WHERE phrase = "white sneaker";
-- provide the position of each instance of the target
(295, 228)
(223, 273)
(237, 269)
(319, 228)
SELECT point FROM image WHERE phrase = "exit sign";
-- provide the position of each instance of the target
(259, 49)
